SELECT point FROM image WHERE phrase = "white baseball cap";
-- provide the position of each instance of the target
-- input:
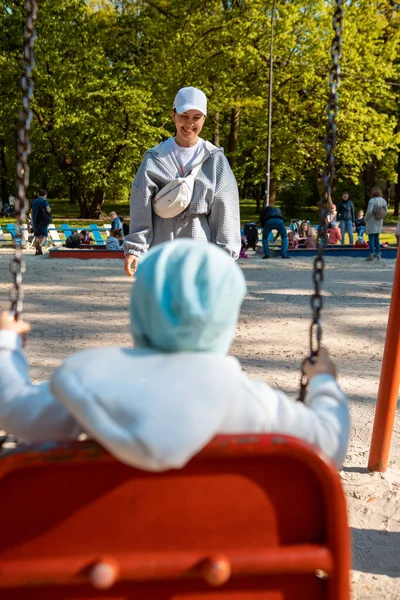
(190, 98)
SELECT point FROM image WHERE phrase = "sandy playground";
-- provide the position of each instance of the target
(73, 305)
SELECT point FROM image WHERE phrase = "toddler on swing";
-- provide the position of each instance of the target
(178, 388)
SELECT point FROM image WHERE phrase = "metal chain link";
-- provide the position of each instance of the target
(17, 266)
(326, 200)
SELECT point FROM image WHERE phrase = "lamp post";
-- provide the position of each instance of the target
(271, 64)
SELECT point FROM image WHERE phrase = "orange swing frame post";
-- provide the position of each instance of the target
(389, 384)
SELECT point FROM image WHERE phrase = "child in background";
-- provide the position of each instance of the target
(86, 237)
(75, 239)
(360, 223)
(311, 242)
(293, 241)
(243, 253)
(361, 243)
(177, 387)
(335, 235)
(115, 240)
(303, 230)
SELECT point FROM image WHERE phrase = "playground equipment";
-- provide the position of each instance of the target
(389, 384)
(231, 524)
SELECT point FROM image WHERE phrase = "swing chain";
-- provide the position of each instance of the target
(17, 266)
(326, 200)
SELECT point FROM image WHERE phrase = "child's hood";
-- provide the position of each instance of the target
(151, 410)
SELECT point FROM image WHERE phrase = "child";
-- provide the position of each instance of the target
(115, 240)
(303, 231)
(86, 239)
(335, 234)
(75, 239)
(293, 241)
(361, 243)
(310, 242)
(243, 253)
(360, 223)
(332, 214)
(177, 388)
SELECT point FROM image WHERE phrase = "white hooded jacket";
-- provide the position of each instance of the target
(168, 403)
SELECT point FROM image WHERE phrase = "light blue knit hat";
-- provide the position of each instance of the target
(186, 297)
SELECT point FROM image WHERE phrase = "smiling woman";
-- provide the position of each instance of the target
(184, 188)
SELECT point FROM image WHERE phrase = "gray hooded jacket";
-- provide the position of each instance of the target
(212, 215)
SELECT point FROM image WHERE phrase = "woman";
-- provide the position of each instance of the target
(303, 231)
(376, 212)
(213, 212)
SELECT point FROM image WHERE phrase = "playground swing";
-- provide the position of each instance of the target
(292, 545)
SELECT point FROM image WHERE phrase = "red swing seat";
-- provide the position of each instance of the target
(257, 517)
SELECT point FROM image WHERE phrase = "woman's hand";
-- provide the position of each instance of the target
(131, 263)
(8, 323)
(323, 365)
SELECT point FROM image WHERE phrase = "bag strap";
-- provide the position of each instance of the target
(195, 170)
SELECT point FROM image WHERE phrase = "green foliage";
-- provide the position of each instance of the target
(107, 72)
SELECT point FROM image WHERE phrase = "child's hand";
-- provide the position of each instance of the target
(323, 365)
(8, 323)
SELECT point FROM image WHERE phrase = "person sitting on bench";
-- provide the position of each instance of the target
(177, 388)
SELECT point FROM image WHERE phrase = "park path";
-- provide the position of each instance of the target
(73, 305)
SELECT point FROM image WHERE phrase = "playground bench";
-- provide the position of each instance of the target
(7, 233)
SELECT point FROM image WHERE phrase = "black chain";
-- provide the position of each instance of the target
(326, 200)
(17, 266)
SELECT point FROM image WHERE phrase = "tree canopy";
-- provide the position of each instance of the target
(107, 72)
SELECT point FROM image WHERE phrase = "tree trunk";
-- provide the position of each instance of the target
(369, 178)
(3, 171)
(90, 206)
(397, 189)
(215, 138)
(96, 206)
(233, 136)
(72, 194)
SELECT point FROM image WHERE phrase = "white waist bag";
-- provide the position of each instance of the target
(176, 196)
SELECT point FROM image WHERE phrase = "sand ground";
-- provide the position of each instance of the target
(73, 305)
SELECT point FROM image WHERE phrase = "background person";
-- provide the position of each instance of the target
(271, 218)
(116, 220)
(347, 218)
(41, 218)
(361, 243)
(213, 212)
(293, 241)
(310, 241)
(115, 240)
(334, 234)
(376, 211)
(77, 238)
(360, 223)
